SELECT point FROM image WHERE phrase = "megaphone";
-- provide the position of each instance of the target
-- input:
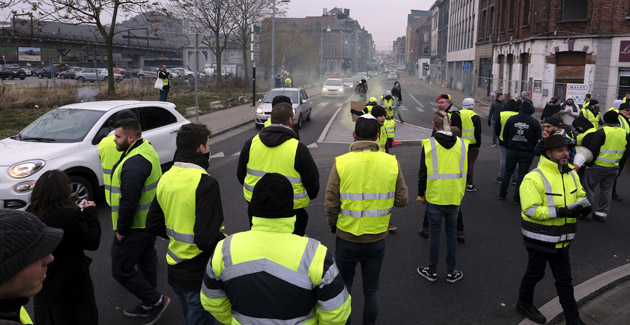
(582, 156)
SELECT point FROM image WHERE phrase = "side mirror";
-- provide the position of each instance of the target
(260, 100)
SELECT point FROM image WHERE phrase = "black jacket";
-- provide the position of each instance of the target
(10, 310)
(188, 275)
(134, 173)
(550, 109)
(495, 110)
(509, 106)
(456, 119)
(163, 74)
(446, 141)
(397, 92)
(522, 131)
(273, 136)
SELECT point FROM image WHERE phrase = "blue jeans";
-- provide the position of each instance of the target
(514, 157)
(370, 256)
(435, 213)
(164, 94)
(193, 310)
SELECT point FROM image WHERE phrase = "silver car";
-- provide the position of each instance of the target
(90, 74)
(299, 100)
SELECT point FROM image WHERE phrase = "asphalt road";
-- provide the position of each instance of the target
(492, 259)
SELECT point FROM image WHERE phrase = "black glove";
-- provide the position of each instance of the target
(563, 212)
(577, 211)
(355, 112)
(587, 210)
(489, 122)
(333, 229)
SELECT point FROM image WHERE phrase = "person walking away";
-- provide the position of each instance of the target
(551, 200)
(493, 115)
(397, 93)
(550, 127)
(25, 255)
(67, 296)
(624, 115)
(109, 155)
(187, 211)
(591, 112)
(551, 108)
(358, 209)
(569, 111)
(166, 81)
(269, 276)
(387, 101)
(134, 182)
(522, 132)
(441, 186)
(511, 108)
(276, 150)
(471, 132)
(379, 113)
(361, 90)
(609, 145)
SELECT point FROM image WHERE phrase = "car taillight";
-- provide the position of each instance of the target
(14, 71)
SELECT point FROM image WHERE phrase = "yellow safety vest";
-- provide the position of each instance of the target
(287, 81)
(25, 318)
(390, 128)
(148, 190)
(585, 105)
(590, 116)
(109, 157)
(268, 122)
(279, 159)
(581, 136)
(468, 128)
(623, 123)
(446, 171)
(542, 191)
(504, 116)
(369, 108)
(164, 81)
(615, 145)
(366, 202)
(382, 139)
(388, 105)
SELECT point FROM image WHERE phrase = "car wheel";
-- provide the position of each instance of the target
(308, 118)
(141, 77)
(81, 79)
(40, 76)
(22, 78)
(81, 189)
(11, 77)
(63, 76)
(299, 121)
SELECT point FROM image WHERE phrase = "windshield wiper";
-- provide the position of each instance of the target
(17, 137)
(38, 139)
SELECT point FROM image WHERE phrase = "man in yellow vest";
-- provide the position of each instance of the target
(109, 154)
(288, 82)
(591, 112)
(587, 100)
(358, 209)
(187, 211)
(164, 75)
(511, 108)
(551, 200)
(624, 115)
(471, 132)
(626, 99)
(27, 244)
(380, 114)
(268, 275)
(134, 181)
(387, 101)
(609, 145)
(276, 150)
(441, 186)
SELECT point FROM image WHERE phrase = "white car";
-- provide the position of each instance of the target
(67, 138)
(299, 100)
(90, 74)
(333, 88)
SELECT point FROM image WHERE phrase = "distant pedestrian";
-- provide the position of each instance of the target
(626, 98)
(569, 111)
(67, 296)
(591, 112)
(397, 93)
(551, 108)
(525, 96)
(510, 109)
(471, 132)
(165, 76)
(493, 115)
(361, 90)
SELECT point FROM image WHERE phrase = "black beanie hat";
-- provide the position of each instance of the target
(280, 99)
(593, 102)
(273, 197)
(378, 110)
(366, 127)
(553, 121)
(24, 239)
(611, 117)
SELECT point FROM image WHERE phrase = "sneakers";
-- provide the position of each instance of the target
(531, 313)
(471, 188)
(424, 232)
(497, 180)
(454, 277)
(138, 311)
(424, 272)
(600, 218)
(494, 145)
(391, 227)
(156, 311)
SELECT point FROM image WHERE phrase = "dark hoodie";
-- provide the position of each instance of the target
(511, 105)
(522, 131)
(273, 136)
(446, 141)
(551, 108)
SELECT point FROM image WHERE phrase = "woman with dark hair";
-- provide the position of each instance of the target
(67, 296)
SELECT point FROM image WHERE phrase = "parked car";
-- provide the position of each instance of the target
(147, 73)
(299, 99)
(392, 76)
(348, 82)
(182, 73)
(47, 72)
(69, 74)
(89, 74)
(333, 88)
(28, 71)
(12, 73)
(67, 138)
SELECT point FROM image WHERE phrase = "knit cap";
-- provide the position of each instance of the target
(468, 103)
(273, 197)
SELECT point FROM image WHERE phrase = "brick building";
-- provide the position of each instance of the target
(418, 40)
(439, 39)
(486, 37)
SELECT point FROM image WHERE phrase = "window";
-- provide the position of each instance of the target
(425, 51)
(526, 5)
(155, 117)
(573, 10)
(426, 37)
(331, 52)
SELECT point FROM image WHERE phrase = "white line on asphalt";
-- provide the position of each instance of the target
(414, 98)
(218, 155)
(312, 145)
(419, 109)
(330, 122)
(322, 104)
(403, 108)
(237, 154)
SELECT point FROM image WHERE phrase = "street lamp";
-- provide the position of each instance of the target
(273, 42)
(321, 48)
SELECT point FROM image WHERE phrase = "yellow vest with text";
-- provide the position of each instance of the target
(446, 171)
(590, 116)
(279, 159)
(504, 116)
(109, 157)
(177, 195)
(468, 128)
(148, 190)
(615, 145)
(367, 191)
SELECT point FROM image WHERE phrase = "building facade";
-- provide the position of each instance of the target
(486, 37)
(460, 54)
(418, 42)
(439, 38)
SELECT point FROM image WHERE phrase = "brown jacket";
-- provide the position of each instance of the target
(333, 202)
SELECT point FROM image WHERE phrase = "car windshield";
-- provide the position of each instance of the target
(273, 93)
(60, 125)
(333, 82)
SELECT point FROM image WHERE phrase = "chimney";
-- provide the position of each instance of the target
(346, 12)
(325, 13)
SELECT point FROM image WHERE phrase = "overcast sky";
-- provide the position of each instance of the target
(385, 20)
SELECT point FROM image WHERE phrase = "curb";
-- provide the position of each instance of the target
(229, 128)
(585, 292)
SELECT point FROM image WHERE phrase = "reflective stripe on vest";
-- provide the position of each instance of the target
(109, 156)
(148, 190)
(366, 202)
(468, 128)
(594, 119)
(615, 145)
(279, 159)
(504, 116)
(176, 194)
(446, 171)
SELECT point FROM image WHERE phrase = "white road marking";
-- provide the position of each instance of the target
(218, 155)
(403, 108)
(237, 154)
(312, 145)
(419, 109)
(332, 119)
(322, 104)
(417, 101)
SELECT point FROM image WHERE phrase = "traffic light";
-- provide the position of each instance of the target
(425, 66)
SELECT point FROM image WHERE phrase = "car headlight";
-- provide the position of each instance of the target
(259, 110)
(26, 168)
(324, 89)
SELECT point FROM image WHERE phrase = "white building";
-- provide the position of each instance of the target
(462, 35)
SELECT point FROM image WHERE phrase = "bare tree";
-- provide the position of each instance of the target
(7, 3)
(92, 12)
(212, 15)
(245, 14)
